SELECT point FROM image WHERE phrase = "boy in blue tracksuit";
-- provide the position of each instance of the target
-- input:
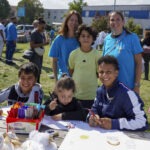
(116, 106)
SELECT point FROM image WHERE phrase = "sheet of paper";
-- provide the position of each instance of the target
(48, 121)
(64, 125)
(79, 139)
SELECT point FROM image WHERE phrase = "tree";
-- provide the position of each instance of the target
(100, 23)
(133, 27)
(4, 9)
(77, 5)
(33, 9)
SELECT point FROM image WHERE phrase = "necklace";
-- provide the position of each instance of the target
(116, 45)
(109, 98)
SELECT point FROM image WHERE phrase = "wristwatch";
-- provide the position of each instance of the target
(137, 84)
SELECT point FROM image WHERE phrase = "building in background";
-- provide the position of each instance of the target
(54, 15)
(140, 13)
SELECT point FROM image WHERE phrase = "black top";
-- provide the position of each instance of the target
(13, 96)
(146, 42)
(71, 111)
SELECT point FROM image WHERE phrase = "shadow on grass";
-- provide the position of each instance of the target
(13, 65)
(47, 69)
(20, 59)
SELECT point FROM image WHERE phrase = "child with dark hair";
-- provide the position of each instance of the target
(115, 105)
(62, 105)
(83, 66)
(27, 87)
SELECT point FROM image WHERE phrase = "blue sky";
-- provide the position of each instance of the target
(63, 4)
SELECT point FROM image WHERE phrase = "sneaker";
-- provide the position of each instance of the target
(10, 62)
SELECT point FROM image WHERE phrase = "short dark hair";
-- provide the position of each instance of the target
(89, 29)
(41, 21)
(29, 68)
(13, 17)
(65, 83)
(109, 60)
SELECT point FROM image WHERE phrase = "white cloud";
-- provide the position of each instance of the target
(63, 4)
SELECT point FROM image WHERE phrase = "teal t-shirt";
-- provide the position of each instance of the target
(61, 49)
(124, 48)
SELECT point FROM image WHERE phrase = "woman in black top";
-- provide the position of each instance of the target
(146, 53)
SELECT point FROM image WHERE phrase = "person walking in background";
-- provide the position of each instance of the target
(125, 46)
(2, 37)
(52, 34)
(83, 66)
(116, 106)
(146, 54)
(11, 37)
(64, 43)
(37, 43)
(100, 40)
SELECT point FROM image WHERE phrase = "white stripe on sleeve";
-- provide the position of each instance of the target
(139, 121)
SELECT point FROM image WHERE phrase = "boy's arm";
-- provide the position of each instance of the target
(71, 64)
(4, 95)
(96, 109)
(135, 116)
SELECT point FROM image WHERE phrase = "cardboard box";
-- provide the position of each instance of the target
(24, 126)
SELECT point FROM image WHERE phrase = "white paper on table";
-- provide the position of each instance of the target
(79, 139)
(63, 125)
(48, 121)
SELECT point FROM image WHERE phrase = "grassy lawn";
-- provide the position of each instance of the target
(8, 75)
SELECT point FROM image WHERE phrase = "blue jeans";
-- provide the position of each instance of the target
(10, 49)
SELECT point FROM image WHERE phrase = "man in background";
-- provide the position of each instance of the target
(2, 36)
(11, 38)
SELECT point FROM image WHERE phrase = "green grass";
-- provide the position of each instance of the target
(8, 75)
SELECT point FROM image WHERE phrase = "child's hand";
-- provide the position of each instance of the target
(57, 117)
(105, 123)
(53, 104)
(94, 120)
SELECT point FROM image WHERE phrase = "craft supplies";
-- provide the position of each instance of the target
(23, 118)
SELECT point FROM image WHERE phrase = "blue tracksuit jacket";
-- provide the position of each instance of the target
(122, 105)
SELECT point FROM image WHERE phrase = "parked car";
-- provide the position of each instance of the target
(24, 32)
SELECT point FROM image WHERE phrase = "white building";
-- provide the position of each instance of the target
(140, 13)
(54, 15)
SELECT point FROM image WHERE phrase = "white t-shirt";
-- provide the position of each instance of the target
(2, 27)
(100, 39)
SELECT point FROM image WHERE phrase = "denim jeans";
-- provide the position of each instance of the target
(10, 49)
